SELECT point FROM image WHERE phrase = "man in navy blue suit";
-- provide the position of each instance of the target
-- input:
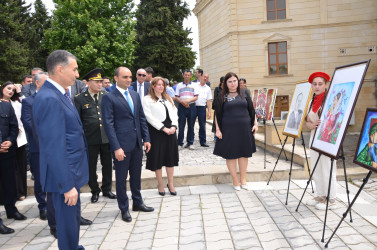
(62, 145)
(27, 121)
(140, 85)
(126, 128)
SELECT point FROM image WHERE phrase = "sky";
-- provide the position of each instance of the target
(190, 22)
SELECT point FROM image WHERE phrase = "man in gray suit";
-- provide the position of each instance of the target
(29, 89)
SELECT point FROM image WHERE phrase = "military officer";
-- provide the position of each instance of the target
(88, 105)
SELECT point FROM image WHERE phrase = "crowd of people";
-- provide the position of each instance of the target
(61, 125)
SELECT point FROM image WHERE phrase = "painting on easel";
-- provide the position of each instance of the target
(264, 101)
(366, 150)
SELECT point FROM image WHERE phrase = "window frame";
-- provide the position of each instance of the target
(277, 53)
(275, 11)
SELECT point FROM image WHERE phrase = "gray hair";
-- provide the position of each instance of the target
(56, 58)
(166, 81)
(37, 76)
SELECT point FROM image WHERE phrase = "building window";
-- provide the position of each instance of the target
(277, 58)
(276, 9)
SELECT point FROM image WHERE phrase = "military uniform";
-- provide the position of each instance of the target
(88, 106)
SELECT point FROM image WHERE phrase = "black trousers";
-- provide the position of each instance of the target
(105, 154)
(21, 169)
(8, 185)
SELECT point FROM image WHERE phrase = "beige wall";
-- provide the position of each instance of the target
(233, 36)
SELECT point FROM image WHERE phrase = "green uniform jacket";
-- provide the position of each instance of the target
(91, 117)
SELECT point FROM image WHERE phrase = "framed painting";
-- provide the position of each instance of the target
(366, 150)
(264, 101)
(298, 109)
(339, 104)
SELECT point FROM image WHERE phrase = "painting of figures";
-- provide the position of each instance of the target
(264, 101)
(366, 150)
(339, 104)
(333, 113)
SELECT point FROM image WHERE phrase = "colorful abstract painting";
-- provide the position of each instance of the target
(333, 112)
(264, 101)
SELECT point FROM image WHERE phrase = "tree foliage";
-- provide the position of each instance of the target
(14, 40)
(98, 32)
(40, 22)
(162, 42)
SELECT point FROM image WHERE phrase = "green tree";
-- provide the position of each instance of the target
(14, 46)
(41, 22)
(162, 42)
(98, 32)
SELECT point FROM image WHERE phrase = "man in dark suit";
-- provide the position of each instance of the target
(27, 121)
(29, 89)
(126, 127)
(8, 136)
(62, 145)
(140, 85)
(88, 106)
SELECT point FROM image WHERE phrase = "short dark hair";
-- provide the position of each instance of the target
(37, 68)
(58, 57)
(200, 71)
(105, 77)
(26, 76)
(243, 79)
(149, 70)
(187, 70)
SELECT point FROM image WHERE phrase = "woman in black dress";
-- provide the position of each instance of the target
(235, 128)
(162, 121)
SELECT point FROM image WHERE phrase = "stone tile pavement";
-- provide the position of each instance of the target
(212, 217)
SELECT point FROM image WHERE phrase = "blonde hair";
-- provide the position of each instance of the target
(164, 94)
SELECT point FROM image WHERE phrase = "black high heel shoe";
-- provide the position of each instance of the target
(172, 193)
(161, 193)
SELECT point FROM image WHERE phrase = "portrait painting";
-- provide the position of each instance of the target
(333, 113)
(298, 109)
(337, 109)
(366, 150)
(264, 101)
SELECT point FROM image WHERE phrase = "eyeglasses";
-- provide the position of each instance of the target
(142, 75)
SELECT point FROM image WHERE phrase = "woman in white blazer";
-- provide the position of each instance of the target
(162, 121)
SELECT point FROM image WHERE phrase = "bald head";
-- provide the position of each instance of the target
(123, 77)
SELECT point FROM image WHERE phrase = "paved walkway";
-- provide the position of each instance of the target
(212, 217)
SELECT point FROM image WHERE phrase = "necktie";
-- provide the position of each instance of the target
(141, 96)
(68, 97)
(129, 101)
(95, 98)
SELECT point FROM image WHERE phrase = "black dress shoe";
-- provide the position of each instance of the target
(6, 230)
(17, 216)
(43, 214)
(172, 193)
(94, 198)
(109, 195)
(53, 232)
(142, 207)
(161, 193)
(204, 145)
(126, 216)
(85, 222)
(186, 146)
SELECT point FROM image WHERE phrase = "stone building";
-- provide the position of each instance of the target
(276, 43)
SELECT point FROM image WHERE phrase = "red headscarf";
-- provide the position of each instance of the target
(318, 102)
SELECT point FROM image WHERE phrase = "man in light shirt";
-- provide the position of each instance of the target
(203, 103)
